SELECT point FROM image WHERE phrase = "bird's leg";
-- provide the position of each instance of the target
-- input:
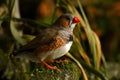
(50, 67)
(52, 61)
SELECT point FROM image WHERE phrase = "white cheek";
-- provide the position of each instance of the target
(73, 25)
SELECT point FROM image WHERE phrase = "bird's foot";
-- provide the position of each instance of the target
(50, 67)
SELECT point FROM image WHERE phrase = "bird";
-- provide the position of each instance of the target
(52, 43)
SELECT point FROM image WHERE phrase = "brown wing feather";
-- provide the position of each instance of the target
(45, 38)
(57, 42)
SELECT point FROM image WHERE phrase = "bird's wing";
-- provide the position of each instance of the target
(56, 43)
(45, 38)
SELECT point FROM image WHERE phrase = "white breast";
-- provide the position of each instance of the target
(57, 53)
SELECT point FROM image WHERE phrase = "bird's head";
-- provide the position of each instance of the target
(67, 21)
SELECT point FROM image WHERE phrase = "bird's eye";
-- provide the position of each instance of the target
(67, 18)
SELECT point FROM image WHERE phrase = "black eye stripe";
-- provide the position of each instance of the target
(67, 18)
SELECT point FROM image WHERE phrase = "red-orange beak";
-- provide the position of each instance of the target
(76, 20)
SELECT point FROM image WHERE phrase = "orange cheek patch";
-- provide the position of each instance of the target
(64, 22)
